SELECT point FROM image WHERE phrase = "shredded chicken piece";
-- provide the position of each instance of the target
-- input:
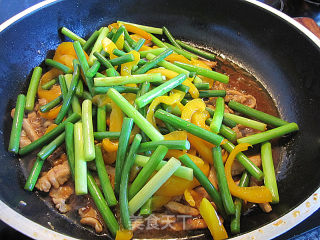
(111, 173)
(60, 196)
(210, 64)
(237, 96)
(213, 177)
(247, 131)
(265, 207)
(237, 167)
(89, 216)
(182, 209)
(202, 192)
(55, 177)
(41, 102)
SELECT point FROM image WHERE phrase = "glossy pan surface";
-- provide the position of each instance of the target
(278, 54)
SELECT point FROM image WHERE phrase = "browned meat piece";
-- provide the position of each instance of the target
(237, 168)
(60, 196)
(30, 131)
(189, 224)
(111, 172)
(41, 102)
(265, 207)
(24, 140)
(182, 209)
(247, 131)
(238, 132)
(57, 157)
(209, 63)
(213, 177)
(237, 96)
(219, 86)
(55, 177)
(89, 216)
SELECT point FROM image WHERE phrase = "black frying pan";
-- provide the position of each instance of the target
(282, 57)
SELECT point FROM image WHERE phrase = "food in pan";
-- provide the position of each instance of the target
(141, 135)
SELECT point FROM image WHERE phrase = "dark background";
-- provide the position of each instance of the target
(308, 229)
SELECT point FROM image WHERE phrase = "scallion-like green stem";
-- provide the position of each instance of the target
(102, 119)
(147, 170)
(217, 118)
(153, 185)
(222, 181)
(197, 51)
(148, 29)
(34, 174)
(123, 196)
(247, 122)
(97, 47)
(122, 80)
(69, 140)
(101, 135)
(182, 171)
(170, 144)
(104, 178)
(17, 122)
(80, 165)
(270, 134)
(189, 127)
(127, 125)
(87, 125)
(204, 72)
(51, 147)
(68, 33)
(270, 180)
(160, 90)
(33, 87)
(130, 111)
(58, 65)
(256, 114)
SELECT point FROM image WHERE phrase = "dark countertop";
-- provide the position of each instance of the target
(308, 229)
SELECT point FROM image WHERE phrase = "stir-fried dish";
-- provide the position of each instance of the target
(139, 134)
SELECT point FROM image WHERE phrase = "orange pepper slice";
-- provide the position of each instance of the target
(255, 194)
(112, 26)
(137, 37)
(55, 91)
(52, 114)
(116, 118)
(134, 29)
(109, 146)
(65, 59)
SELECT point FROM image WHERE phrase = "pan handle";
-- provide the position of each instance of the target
(310, 24)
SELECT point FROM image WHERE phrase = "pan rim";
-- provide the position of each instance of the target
(268, 231)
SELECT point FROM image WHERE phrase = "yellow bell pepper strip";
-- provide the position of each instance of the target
(170, 187)
(116, 118)
(120, 42)
(124, 234)
(194, 92)
(159, 201)
(109, 146)
(108, 47)
(169, 100)
(127, 67)
(145, 48)
(255, 194)
(189, 198)
(175, 135)
(101, 100)
(199, 119)
(177, 57)
(202, 148)
(193, 106)
(55, 91)
(136, 30)
(212, 220)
